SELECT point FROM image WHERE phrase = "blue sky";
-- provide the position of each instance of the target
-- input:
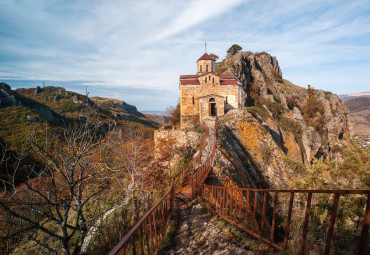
(136, 50)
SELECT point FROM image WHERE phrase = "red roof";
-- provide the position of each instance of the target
(227, 76)
(189, 82)
(229, 82)
(188, 76)
(205, 57)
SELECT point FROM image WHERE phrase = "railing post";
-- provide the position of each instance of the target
(263, 212)
(254, 209)
(247, 211)
(365, 229)
(240, 205)
(305, 225)
(274, 217)
(288, 220)
(331, 224)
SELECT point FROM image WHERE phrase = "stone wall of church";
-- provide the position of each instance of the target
(205, 105)
(190, 104)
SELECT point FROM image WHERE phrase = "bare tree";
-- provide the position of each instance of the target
(85, 179)
(128, 163)
(53, 201)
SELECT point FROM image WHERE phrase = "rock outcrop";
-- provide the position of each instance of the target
(9, 98)
(174, 144)
(280, 124)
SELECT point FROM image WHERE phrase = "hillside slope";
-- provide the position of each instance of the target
(44, 113)
(347, 97)
(359, 109)
(72, 105)
(281, 128)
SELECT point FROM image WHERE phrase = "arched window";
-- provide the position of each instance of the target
(200, 68)
(206, 79)
(207, 68)
(213, 80)
(211, 99)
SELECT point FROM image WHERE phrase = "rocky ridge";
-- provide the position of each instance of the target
(9, 98)
(61, 106)
(280, 127)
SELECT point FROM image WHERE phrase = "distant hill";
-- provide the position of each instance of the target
(74, 106)
(359, 109)
(347, 97)
(159, 118)
(46, 112)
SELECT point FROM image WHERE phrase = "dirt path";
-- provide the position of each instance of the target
(196, 234)
(210, 141)
(198, 231)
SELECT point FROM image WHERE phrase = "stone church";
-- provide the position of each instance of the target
(207, 94)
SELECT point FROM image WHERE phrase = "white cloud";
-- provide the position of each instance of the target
(148, 44)
(191, 13)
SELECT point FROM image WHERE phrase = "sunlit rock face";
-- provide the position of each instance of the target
(280, 125)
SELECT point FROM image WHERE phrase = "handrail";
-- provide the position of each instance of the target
(153, 242)
(239, 207)
(147, 234)
(193, 165)
(202, 173)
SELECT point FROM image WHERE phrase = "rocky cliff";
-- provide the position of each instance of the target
(281, 127)
(9, 98)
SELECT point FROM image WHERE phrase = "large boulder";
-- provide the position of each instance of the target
(311, 142)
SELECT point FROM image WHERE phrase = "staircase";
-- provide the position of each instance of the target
(193, 183)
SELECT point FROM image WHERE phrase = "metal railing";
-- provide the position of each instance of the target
(202, 172)
(187, 171)
(147, 234)
(249, 210)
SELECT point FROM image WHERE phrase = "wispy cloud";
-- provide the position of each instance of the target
(147, 44)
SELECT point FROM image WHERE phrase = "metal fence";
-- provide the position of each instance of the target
(186, 172)
(250, 211)
(148, 233)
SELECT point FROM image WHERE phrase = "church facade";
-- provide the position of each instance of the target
(207, 94)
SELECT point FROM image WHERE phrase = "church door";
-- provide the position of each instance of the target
(212, 111)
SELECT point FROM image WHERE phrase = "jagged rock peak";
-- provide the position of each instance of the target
(281, 122)
(244, 61)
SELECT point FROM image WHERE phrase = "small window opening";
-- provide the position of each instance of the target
(206, 79)
(213, 80)
(193, 100)
(209, 77)
(200, 68)
(207, 68)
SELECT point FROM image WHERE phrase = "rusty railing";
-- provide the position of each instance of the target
(249, 210)
(185, 173)
(198, 174)
(201, 174)
(148, 233)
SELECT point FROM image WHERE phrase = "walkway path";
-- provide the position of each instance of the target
(197, 231)
(185, 192)
(197, 234)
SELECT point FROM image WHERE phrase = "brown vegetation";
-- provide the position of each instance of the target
(85, 179)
